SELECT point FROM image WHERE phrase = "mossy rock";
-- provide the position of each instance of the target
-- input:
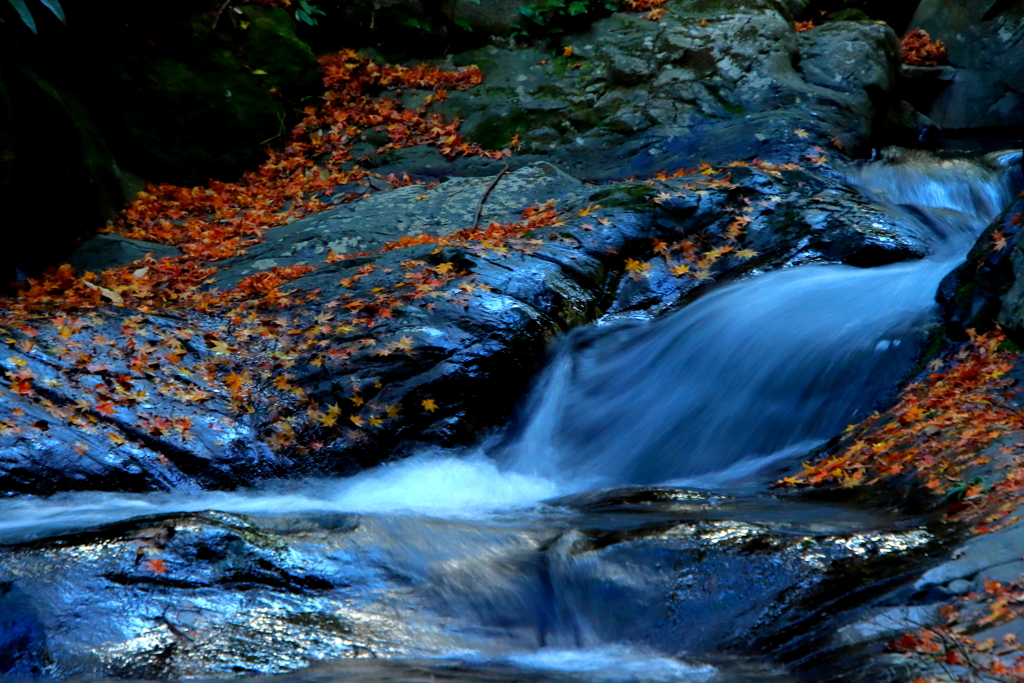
(51, 148)
(206, 102)
(850, 15)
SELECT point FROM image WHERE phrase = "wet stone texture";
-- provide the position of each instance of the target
(985, 48)
(708, 81)
(147, 414)
(212, 594)
(988, 289)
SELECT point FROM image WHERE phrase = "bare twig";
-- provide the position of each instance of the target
(480, 206)
(216, 19)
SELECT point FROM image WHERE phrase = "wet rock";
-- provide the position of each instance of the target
(176, 433)
(367, 225)
(707, 82)
(973, 296)
(986, 289)
(985, 45)
(22, 636)
(212, 594)
(111, 251)
(130, 419)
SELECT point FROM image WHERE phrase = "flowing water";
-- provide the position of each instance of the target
(753, 373)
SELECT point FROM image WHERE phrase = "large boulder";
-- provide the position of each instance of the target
(708, 81)
(362, 358)
(985, 42)
(196, 102)
(988, 288)
(72, 156)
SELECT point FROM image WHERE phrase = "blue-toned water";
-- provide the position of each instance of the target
(751, 374)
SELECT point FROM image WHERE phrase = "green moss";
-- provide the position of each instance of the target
(624, 195)
(584, 118)
(495, 131)
(555, 91)
(562, 67)
(850, 14)
(1010, 345)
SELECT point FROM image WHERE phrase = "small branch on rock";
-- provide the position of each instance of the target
(480, 206)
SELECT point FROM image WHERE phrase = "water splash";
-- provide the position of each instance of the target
(438, 484)
(758, 367)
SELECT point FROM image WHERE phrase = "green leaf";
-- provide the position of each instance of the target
(412, 22)
(22, 9)
(54, 6)
(475, 2)
(259, 72)
(464, 25)
(577, 8)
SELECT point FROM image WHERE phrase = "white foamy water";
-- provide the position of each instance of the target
(430, 484)
(614, 664)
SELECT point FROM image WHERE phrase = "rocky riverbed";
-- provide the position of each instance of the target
(303, 457)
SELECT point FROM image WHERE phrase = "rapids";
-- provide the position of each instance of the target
(753, 373)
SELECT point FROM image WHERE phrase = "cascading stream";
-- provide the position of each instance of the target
(764, 367)
(455, 550)
(753, 371)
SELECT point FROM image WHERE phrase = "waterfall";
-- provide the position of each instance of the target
(764, 367)
(455, 558)
(754, 371)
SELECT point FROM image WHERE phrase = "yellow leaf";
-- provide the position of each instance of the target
(429, 405)
(110, 294)
(638, 267)
(220, 348)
